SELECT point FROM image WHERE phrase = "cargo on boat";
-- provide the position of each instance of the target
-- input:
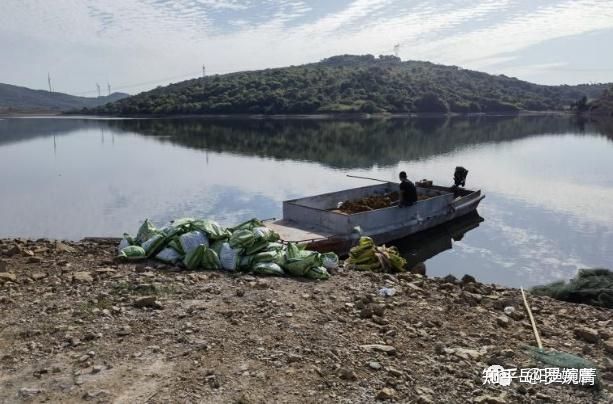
(318, 222)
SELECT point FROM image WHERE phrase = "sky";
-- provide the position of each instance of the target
(136, 45)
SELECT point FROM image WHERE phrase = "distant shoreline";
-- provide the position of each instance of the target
(280, 116)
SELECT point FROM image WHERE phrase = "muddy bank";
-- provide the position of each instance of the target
(77, 326)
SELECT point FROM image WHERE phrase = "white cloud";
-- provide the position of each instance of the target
(132, 41)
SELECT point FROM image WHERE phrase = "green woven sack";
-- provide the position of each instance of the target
(193, 259)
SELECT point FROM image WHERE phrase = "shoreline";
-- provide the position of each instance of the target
(327, 116)
(76, 324)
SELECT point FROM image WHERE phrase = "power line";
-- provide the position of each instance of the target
(144, 83)
(158, 81)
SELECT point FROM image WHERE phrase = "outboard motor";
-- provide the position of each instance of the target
(459, 176)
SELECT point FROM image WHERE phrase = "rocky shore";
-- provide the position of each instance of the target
(75, 325)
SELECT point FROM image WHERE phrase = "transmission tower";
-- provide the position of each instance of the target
(98, 87)
(49, 81)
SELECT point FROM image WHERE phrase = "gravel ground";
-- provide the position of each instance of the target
(77, 326)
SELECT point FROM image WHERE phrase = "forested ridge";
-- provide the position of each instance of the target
(603, 105)
(349, 84)
(23, 99)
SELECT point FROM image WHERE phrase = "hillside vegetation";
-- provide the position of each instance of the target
(351, 84)
(603, 105)
(23, 99)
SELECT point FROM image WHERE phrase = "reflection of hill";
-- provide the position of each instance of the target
(336, 143)
(20, 129)
(346, 143)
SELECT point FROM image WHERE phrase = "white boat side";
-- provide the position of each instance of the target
(315, 220)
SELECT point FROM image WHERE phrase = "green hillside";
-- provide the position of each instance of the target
(351, 84)
(603, 105)
(22, 99)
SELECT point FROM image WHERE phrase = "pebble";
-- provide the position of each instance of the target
(7, 277)
(261, 284)
(38, 275)
(485, 399)
(374, 365)
(27, 391)
(125, 331)
(424, 395)
(468, 279)
(587, 334)
(90, 395)
(388, 349)
(64, 248)
(503, 321)
(347, 374)
(395, 372)
(467, 353)
(386, 393)
(148, 301)
(419, 269)
(291, 358)
(82, 276)
(608, 345)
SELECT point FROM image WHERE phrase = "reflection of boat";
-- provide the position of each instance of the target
(425, 245)
(315, 221)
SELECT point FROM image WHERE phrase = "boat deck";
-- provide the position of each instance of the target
(293, 232)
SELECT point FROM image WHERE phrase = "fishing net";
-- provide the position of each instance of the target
(556, 358)
(561, 360)
(367, 256)
(590, 286)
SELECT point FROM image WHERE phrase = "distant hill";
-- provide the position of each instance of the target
(603, 105)
(350, 83)
(22, 99)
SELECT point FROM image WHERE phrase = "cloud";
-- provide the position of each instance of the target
(134, 41)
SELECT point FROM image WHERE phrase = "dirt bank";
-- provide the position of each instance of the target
(76, 326)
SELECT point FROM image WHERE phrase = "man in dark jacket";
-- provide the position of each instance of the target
(408, 192)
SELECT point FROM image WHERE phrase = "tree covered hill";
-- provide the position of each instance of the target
(349, 83)
(603, 105)
(23, 99)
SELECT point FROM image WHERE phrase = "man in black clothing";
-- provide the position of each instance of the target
(408, 192)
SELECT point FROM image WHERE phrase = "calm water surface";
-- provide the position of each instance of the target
(548, 181)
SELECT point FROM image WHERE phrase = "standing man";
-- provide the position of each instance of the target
(408, 192)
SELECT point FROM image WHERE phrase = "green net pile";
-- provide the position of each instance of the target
(590, 286)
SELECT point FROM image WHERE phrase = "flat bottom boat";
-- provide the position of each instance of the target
(316, 221)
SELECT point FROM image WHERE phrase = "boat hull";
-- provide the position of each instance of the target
(314, 221)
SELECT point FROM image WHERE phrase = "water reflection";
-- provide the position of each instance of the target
(348, 144)
(419, 248)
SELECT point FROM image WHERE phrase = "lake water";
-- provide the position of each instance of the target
(548, 180)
